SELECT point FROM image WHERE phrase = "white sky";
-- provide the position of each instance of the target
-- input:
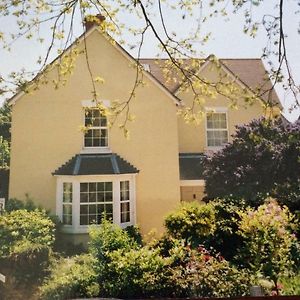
(227, 41)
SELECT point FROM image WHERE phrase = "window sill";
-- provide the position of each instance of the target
(91, 150)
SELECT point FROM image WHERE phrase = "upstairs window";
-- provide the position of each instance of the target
(96, 133)
(216, 129)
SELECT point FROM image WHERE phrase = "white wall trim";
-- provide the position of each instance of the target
(95, 150)
(199, 182)
(92, 103)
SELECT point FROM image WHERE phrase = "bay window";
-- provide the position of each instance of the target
(84, 200)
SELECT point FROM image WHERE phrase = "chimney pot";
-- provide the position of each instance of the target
(91, 23)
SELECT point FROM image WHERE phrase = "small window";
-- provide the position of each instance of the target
(124, 201)
(216, 129)
(96, 198)
(67, 203)
(96, 133)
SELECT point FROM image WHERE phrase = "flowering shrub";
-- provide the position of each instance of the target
(212, 276)
(262, 160)
(268, 240)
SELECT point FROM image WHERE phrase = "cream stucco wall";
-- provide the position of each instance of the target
(45, 133)
(192, 136)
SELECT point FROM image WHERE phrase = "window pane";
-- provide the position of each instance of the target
(109, 208)
(103, 122)
(92, 186)
(67, 186)
(92, 209)
(96, 142)
(100, 197)
(108, 186)
(124, 195)
(67, 219)
(100, 186)
(67, 209)
(83, 220)
(83, 187)
(92, 219)
(108, 196)
(84, 197)
(83, 209)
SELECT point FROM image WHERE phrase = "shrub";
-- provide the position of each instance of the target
(71, 278)
(291, 285)
(209, 276)
(268, 240)
(107, 238)
(225, 239)
(191, 222)
(15, 204)
(137, 273)
(262, 160)
(26, 239)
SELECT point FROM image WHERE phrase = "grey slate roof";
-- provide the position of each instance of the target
(191, 166)
(96, 164)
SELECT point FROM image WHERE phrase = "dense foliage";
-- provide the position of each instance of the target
(208, 250)
(262, 160)
(26, 240)
(268, 240)
(190, 221)
(71, 278)
(5, 121)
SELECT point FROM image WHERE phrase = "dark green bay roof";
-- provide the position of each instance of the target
(96, 164)
(191, 166)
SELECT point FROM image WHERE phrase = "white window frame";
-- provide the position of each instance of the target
(90, 104)
(212, 110)
(76, 180)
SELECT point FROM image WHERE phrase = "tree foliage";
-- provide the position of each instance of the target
(5, 121)
(263, 159)
(61, 20)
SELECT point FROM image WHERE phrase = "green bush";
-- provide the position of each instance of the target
(71, 278)
(107, 238)
(291, 285)
(137, 273)
(16, 204)
(191, 222)
(267, 249)
(225, 239)
(26, 239)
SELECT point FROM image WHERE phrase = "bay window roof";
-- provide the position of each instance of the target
(96, 164)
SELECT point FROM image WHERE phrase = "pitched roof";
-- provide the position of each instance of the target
(251, 72)
(19, 93)
(191, 166)
(96, 164)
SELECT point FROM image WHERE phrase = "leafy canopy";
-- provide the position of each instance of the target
(263, 159)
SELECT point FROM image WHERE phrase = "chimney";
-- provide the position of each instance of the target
(91, 21)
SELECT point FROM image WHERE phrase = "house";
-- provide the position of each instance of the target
(79, 174)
